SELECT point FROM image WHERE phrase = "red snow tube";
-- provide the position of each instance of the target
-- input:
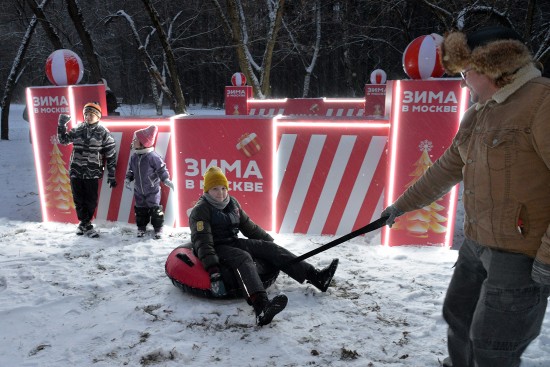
(187, 273)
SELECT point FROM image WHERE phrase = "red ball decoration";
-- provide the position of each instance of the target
(378, 76)
(64, 67)
(421, 58)
(238, 80)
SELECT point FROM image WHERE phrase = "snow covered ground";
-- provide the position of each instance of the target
(72, 301)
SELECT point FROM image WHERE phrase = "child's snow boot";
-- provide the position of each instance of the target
(322, 278)
(158, 233)
(265, 308)
(141, 231)
(91, 232)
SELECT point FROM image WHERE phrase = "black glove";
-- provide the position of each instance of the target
(216, 283)
(391, 212)
(63, 119)
(112, 182)
(541, 273)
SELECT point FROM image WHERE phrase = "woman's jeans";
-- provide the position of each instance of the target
(493, 307)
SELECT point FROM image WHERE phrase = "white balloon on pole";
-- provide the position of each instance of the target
(378, 76)
(64, 67)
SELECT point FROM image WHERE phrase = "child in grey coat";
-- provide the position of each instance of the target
(147, 169)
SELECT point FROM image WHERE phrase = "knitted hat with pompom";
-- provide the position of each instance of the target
(147, 136)
(214, 177)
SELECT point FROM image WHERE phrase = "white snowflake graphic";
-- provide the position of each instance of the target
(425, 146)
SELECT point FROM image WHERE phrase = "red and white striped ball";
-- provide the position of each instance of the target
(421, 58)
(238, 80)
(378, 76)
(64, 67)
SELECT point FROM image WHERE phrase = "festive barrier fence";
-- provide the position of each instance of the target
(316, 166)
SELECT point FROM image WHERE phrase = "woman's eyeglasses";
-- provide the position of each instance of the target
(464, 73)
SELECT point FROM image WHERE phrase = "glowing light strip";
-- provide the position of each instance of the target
(275, 173)
(37, 161)
(75, 116)
(464, 102)
(262, 101)
(393, 152)
(334, 124)
(174, 171)
(451, 213)
(138, 123)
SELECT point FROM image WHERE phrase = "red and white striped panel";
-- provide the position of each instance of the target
(118, 204)
(329, 180)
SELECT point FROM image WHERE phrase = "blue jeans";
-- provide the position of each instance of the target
(493, 307)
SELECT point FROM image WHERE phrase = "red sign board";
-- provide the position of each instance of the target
(236, 100)
(424, 119)
(51, 158)
(240, 146)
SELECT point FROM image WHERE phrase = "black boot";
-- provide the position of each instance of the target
(322, 278)
(265, 308)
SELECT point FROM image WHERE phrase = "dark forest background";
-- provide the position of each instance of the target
(334, 44)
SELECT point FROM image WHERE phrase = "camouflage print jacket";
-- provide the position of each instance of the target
(92, 146)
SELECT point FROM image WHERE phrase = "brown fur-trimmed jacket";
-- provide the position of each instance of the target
(502, 154)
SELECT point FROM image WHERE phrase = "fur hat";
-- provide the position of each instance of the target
(92, 107)
(493, 51)
(147, 136)
(214, 177)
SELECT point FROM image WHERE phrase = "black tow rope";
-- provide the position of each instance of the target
(379, 223)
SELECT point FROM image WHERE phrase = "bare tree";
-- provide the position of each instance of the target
(14, 74)
(88, 46)
(235, 26)
(178, 100)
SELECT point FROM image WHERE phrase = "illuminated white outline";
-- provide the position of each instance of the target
(451, 212)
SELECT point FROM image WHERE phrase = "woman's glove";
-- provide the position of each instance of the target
(216, 283)
(391, 212)
(541, 273)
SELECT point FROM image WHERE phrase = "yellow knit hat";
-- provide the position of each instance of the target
(214, 177)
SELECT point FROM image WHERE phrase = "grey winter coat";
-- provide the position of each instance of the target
(148, 170)
(92, 146)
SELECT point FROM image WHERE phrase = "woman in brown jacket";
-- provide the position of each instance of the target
(497, 298)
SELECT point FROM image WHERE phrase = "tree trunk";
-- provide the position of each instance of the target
(86, 38)
(179, 105)
(50, 31)
(15, 69)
